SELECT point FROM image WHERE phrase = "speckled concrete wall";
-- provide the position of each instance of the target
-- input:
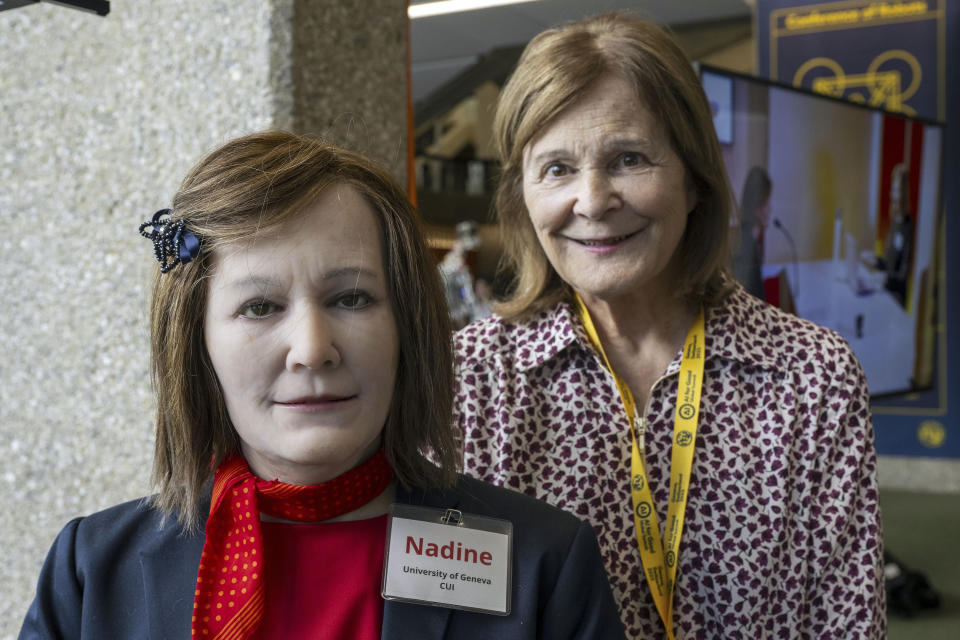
(100, 118)
(375, 79)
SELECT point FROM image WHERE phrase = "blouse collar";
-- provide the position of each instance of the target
(741, 328)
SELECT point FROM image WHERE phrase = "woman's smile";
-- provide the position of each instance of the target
(310, 404)
(607, 244)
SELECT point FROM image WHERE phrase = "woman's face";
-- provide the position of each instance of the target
(763, 213)
(607, 195)
(303, 340)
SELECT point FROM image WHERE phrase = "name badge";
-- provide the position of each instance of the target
(446, 558)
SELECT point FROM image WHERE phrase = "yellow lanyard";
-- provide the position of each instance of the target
(660, 568)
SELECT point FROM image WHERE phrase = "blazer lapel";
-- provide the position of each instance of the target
(402, 620)
(169, 563)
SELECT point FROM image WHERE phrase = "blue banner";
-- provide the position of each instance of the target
(884, 54)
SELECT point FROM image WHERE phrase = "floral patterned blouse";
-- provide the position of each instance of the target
(782, 536)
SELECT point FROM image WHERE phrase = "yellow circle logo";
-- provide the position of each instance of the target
(687, 411)
(931, 434)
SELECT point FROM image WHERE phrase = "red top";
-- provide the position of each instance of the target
(323, 580)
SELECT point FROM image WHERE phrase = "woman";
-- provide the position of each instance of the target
(740, 502)
(898, 249)
(754, 219)
(302, 360)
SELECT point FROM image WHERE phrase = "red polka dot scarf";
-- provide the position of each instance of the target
(228, 601)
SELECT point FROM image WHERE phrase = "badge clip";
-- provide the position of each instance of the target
(452, 516)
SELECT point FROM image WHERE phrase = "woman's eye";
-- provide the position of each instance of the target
(630, 159)
(354, 300)
(557, 170)
(258, 309)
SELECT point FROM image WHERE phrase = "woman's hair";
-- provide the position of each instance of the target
(248, 185)
(557, 67)
(900, 190)
(756, 191)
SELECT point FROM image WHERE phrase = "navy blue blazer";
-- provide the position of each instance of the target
(122, 573)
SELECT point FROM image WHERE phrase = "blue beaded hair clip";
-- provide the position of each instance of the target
(173, 242)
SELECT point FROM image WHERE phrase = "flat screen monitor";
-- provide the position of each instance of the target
(839, 217)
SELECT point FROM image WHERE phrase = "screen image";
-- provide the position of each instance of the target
(838, 213)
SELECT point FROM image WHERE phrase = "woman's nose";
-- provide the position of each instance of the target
(311, 343)
(596, 194)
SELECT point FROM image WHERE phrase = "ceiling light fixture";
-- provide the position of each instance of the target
(427, 9)
(99, 7)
